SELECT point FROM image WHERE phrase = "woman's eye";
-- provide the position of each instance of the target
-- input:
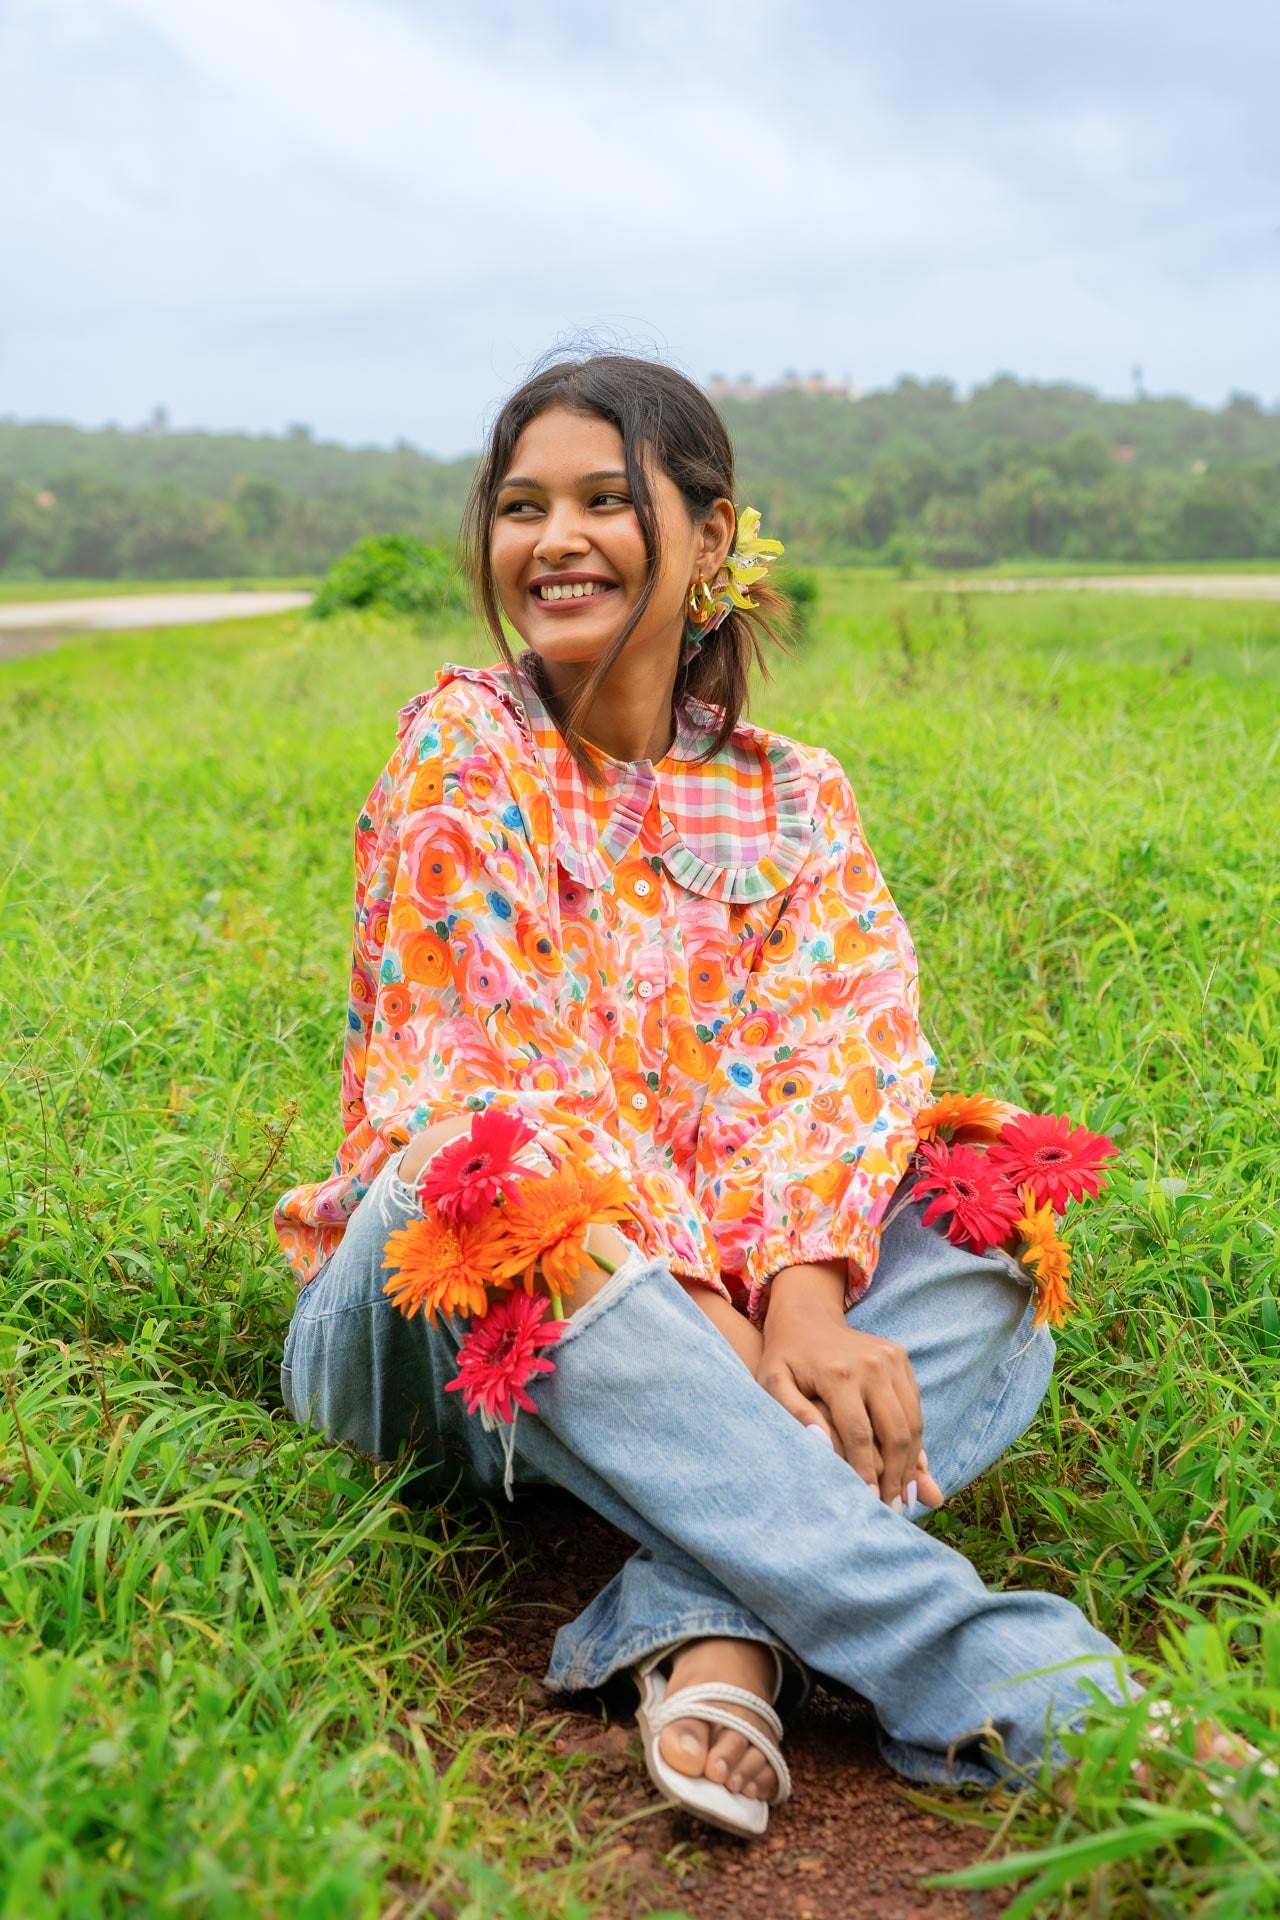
(622, 499)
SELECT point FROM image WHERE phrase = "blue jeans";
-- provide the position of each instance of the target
(746, 1526)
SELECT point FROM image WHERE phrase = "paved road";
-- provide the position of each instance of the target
(142, 610)
(1187, 586)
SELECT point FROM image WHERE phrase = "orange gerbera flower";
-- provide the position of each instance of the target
(1049, 1258)
(964, 1117)
(439, 1268)
(547, 1223)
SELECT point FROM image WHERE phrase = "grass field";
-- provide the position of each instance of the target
(232, 1662)
(22, 590)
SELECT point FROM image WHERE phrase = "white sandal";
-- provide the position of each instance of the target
(709, 1799)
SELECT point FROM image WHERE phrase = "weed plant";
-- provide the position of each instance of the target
(234, 1662)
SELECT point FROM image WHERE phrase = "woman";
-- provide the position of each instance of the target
(589, 891)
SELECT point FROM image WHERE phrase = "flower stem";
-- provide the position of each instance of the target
(557, 1307)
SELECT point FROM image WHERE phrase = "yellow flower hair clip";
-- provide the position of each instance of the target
(750, 560)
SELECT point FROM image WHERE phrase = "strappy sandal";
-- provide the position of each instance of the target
(712, 1700)
(1164, 1722)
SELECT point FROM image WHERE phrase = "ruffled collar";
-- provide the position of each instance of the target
(737, 827)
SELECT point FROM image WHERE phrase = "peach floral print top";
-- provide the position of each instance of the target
(697, 967)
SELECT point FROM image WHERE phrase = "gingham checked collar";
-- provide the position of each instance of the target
(736, 827)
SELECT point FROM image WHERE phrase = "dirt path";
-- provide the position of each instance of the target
(1187, 586)
(848, 1842)
(35, 626)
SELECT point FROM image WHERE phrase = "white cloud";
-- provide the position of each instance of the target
(371, 214)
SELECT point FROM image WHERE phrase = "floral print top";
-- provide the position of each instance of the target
(696, 966)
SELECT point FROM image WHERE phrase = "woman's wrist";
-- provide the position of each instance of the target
(813, 1290)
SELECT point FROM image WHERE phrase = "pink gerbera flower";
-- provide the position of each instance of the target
(1057, 1161)
(465, 1178)
(501, 1353)
(982, 1203)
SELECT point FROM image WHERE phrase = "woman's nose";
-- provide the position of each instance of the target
(562, 533)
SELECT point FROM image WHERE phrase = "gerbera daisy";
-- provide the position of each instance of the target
(463, 1180)
(1047, 1255)
(439, 1268)
(547, 1222)
(1057, 1161)
(1054, 1300)
(963, 1116)
(500, 1355)
(982, 1204)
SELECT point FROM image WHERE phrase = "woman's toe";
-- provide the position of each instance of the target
(724, 1756)
(683, 1745)
(757, 1776)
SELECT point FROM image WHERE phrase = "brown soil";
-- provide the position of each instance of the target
(848, 1842)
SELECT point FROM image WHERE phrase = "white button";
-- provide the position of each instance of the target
(645, 989)
(644, 888)
(638, 1101)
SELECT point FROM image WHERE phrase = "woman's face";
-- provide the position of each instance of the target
(565, 519)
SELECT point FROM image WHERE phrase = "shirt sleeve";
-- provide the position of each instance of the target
(457, 998)
(808, 1125)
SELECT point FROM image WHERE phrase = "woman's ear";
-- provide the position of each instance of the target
(716, 541)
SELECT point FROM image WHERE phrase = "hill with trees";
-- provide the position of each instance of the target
(916, 473)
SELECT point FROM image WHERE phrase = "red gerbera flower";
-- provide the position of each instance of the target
(501, 1353)
(465, 1178)
(1057, 1161)
(982, 1204)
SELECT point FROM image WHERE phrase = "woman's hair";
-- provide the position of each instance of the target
(663, 417)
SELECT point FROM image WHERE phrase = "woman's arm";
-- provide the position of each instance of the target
(808, 1123)
(458, 987)
(745, 1339)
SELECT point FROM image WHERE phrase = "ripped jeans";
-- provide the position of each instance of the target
(746, 1527)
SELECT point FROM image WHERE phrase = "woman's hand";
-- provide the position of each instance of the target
(858, 1388)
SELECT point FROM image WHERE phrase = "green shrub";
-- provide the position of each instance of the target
(800, 586)
(390, 573)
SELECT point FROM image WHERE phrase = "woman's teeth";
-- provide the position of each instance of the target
(577, 592)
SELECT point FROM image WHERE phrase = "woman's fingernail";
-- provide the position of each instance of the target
(896, 1503)
(912, 1495)
(923, 1462)
(819, 1433)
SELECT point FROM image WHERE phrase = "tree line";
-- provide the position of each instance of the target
(916, 473)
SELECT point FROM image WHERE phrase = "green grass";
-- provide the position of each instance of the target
(232, 1660)
(1052, 569)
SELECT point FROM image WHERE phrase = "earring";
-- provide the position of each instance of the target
(701, 602)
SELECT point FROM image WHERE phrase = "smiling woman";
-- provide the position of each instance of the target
(592, 897)
(617, 476)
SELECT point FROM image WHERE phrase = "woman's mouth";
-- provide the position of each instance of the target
(560, 597)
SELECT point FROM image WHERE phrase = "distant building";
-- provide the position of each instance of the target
(746, 388)
(743, 388)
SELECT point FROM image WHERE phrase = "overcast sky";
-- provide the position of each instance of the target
(371, 215)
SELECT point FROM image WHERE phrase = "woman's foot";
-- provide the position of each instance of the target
(694, 1746)
(1212, 1743)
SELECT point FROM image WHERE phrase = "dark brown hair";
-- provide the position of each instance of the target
(663, 417)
